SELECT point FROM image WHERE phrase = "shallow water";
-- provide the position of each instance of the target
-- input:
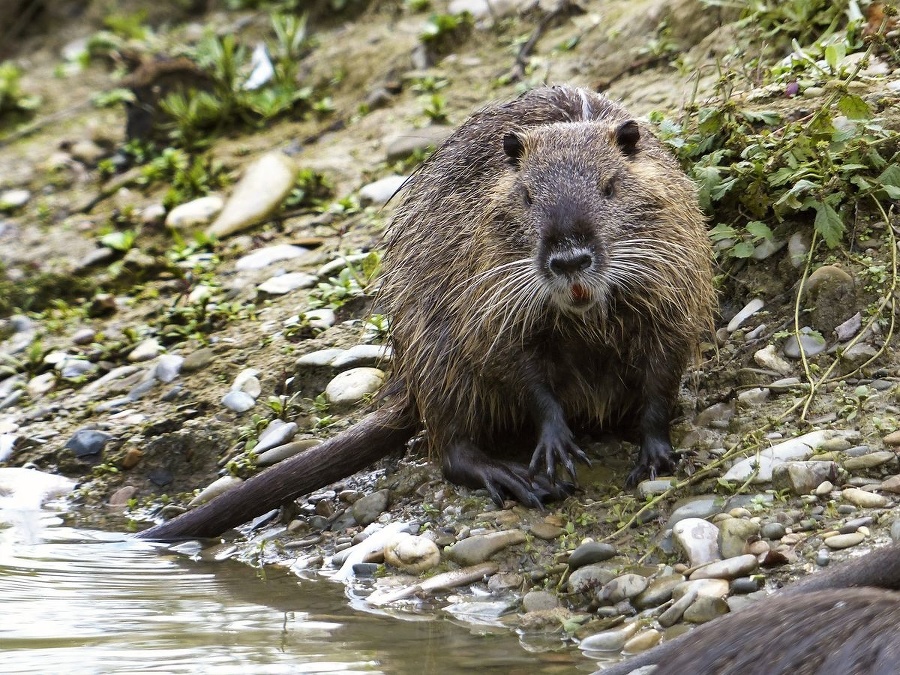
(81, 601)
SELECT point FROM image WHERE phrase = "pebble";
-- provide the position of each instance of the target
(260, 191)
(716, 416)
(773, 531)
(861, 498)
(332, 267)
(479, 548)
(895, 530)
(729, 568)
(366, 509)
(320, 318)
(676, 610)
(39, 385)
(891, 484)
(767, 358)
(642, 641)
(86, 151)
(285, 283)
(282, 452)
(168, 367)
(589, 553)
(196, 213)
(853, 525)
(546, 531)
(705, 609)
(10, 200)
(733, 536)
(802, 478)
(198, 360)
(318, 359)
(798, 248)
(744, 585)
(753, 397)
(145, 351)
(749, 310)
(381, 190)
(153, 214)
(539, 601)
(649, 488)
(270, 254)
(869, 461)
(412, 554)
(354, 385)
(610, 640)
(248, 382)
(848, 328)
(811, 344)
(892, 439)
(362, 355)
(658, 592)
(214, 489)
(122, 496)
(799, 448)
(84, 336)
(824, 489)
(277, 433)
(859, 353)
(8, 442)
(238, 401)
(623, 587)
(839, 541)
(698, 539)
(88, 442)
(701, 506)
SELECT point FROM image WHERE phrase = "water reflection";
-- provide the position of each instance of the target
(76, 601)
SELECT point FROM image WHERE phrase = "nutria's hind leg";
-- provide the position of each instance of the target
(656, 456)
(465, 464)
(556, 444)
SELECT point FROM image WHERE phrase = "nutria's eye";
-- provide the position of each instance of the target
(607, 188)
(526, 196)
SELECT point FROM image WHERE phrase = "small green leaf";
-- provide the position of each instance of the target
(743, 249)
(892, 191)
(829, 224)
(119, 241)
(890, 176)
(722, 231)
(759, 230)
(854, 107)
(834, 54)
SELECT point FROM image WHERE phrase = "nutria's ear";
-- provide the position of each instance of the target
(627, 135)
(512, 146)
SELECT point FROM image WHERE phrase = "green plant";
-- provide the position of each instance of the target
(435, 108)
(127, 25)
(350, 283)
(12, 98)
(311, 189)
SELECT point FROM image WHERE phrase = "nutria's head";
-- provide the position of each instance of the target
(571, 197)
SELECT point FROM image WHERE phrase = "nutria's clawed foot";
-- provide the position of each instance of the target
(556, 446)
(465, 464)
(656, 459)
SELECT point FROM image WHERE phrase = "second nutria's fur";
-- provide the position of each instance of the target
(547, 269)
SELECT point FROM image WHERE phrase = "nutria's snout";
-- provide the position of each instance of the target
(573, 275)
(570, 263)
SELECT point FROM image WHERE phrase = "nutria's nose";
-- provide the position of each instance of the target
(569, 262)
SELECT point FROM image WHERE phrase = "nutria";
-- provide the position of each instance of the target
(845, 621)
(547, 269)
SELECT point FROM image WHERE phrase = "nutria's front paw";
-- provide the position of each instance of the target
(655, 459)
(556, 446)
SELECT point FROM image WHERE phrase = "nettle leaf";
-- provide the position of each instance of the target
(890, 176)
(759, 230)
(791, 198)
(892, 191)
(769, 117)
(829, 224)
(834, 54)
(721, 232)
(743, 249)
(854, 107)
(708, 179)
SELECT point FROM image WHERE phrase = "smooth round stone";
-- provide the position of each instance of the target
(248, 382)
(589, 553)
(214, 489)
(855, 524)
(623, 587)
(810, 344)
(802, 478)
(168, 367)
(366, 509)
(195, 213)
(767, 358)
(381, 190)
(71, 368)
(839, 541)
(539, 601)
(84, 336)
(121, 496)
(609, 640)
(798, 248)
(698, 539)
(86, 151)
(332, 267)
(705, 609)
(892, 439)
(869, 461)
(263, 187)
(282, 452)
(238, 401)
(861, 498)
(412, 554)
(268, 255)
(773, 531)
(402, 145)
(729, 568)
(198, 359)
(701, 506)
(277, 433)
(479, 548)
(546, 531)
(642, 641)
(88, 442)
(733, 536)
(754, 397)
(363, 355)
(658, 592)
(895, 530)
(319, 359)
(285, 283)
(649, 488)
(39, 385)
(749, 310)
(858, 451)
(14, 199)
(589, 577)
(153, 214)
(145, 351)
(823, 557)
(744, 585)
(353, 385)
(716, 416)
(711, 588)
(824, 488)
(320, 318)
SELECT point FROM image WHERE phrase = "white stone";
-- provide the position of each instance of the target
(14, 199)
(277, 433)
(730, 568)
(801, 447)
(320, 318)
(866, 500)
(195, 213)
(248, 382)
(238, 401)
(412, 554)
(214, 489)
(698, 539)
(749, 310)
(167, 367)
(146, 350)
(285, 283)
(380, 191)
(268, 255)
(354, 385)
(260, 191)
(767, 358)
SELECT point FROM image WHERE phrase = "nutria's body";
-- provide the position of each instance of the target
(548, 267)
